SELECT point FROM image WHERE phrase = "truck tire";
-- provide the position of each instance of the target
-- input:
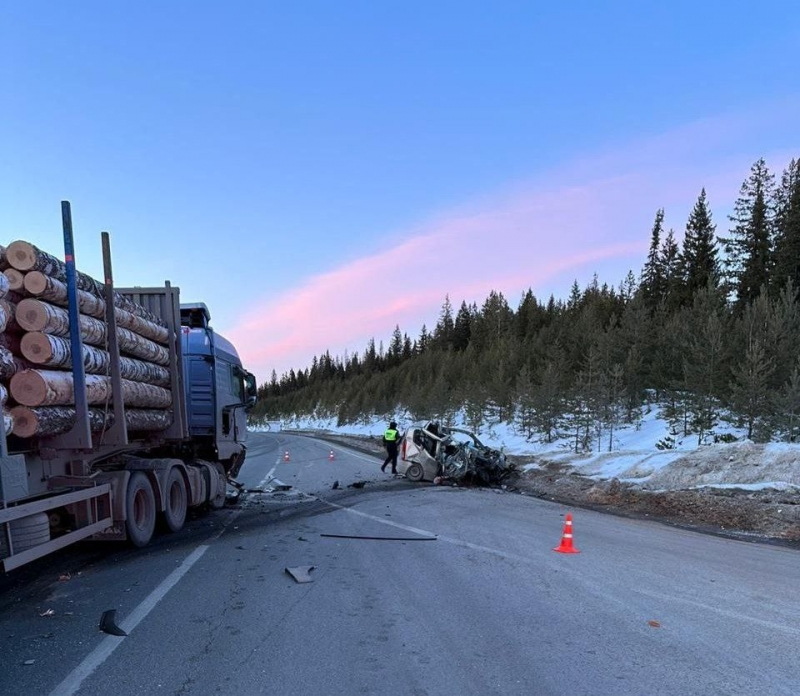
(30, 531)
(176, 500)
(140, 505)
(415, 472)
(218, 489)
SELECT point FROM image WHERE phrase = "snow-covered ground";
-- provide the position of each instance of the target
(634, 458)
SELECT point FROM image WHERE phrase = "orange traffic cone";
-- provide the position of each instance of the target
(566, 538)
(286, 456)
(330, 456)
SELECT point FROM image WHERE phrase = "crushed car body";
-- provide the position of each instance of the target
(432, 451)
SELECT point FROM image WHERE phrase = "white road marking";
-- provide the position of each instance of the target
(109, 644)
(423, 532)
(268, 477)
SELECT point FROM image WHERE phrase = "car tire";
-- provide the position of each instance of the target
(415, 472)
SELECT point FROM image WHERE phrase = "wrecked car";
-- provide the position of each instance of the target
(432, 451)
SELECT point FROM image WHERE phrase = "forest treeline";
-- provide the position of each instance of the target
(709, 328)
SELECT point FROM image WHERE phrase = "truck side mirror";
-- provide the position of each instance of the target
(250, 389)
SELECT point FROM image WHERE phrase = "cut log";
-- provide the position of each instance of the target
(54, 291)
(8, 365)
(11, 342)
(35, 315)
(5, 284)
(24, 256)
(10, 310)
(53, 388)
(15, 278)
(146, 419)
(55, 420)
(140, 326)
(140, 347)
(54, 351)
(51, 420)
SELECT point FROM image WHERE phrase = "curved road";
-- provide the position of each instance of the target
(472, 601)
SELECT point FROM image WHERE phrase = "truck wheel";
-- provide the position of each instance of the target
(140, 505)
(30, 531)
(415, 472)
(217, 491)
(175, 500)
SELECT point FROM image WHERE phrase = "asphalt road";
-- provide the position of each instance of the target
(473, 601)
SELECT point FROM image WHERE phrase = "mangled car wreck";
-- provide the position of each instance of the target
(431, 451)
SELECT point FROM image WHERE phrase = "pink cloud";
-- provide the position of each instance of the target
(538, 234)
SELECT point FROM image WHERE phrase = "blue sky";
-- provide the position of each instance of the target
(319, 172)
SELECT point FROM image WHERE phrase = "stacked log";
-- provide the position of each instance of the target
(37, 390)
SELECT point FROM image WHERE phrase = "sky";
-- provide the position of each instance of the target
(318, 173)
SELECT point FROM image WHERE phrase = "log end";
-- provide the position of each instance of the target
(37, 348)
(35, 282)
(21, 255)
(31, 315)
(15, 278)
(28, 388)
(26, 424)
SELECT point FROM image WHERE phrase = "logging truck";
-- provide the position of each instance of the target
(121, 405)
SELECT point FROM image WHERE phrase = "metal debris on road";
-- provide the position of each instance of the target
(301, 574)
(108, 623)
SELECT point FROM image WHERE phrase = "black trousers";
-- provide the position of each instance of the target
(391, 457)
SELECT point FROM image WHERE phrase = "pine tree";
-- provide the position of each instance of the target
(547, 400)
(748, 250)
(443, 333)
(669, 260)
(652, 278)
(462, 328)
(787, 233)
(750, 392)
(788, 406)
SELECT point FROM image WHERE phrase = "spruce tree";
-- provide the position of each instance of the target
(748, 250)
(699, 263)
(787, 234)
(652, 279)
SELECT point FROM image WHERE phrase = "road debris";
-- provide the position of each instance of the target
(301, 574)
(108, 623)
(64, 577)
(377, 538)
(654, 624)
(48, 612)
(27, 663)
(358, 484)
(335, 486)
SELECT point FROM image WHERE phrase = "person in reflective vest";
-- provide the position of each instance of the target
(391, 440)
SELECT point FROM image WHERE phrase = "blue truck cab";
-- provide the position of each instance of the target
(218, 390)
